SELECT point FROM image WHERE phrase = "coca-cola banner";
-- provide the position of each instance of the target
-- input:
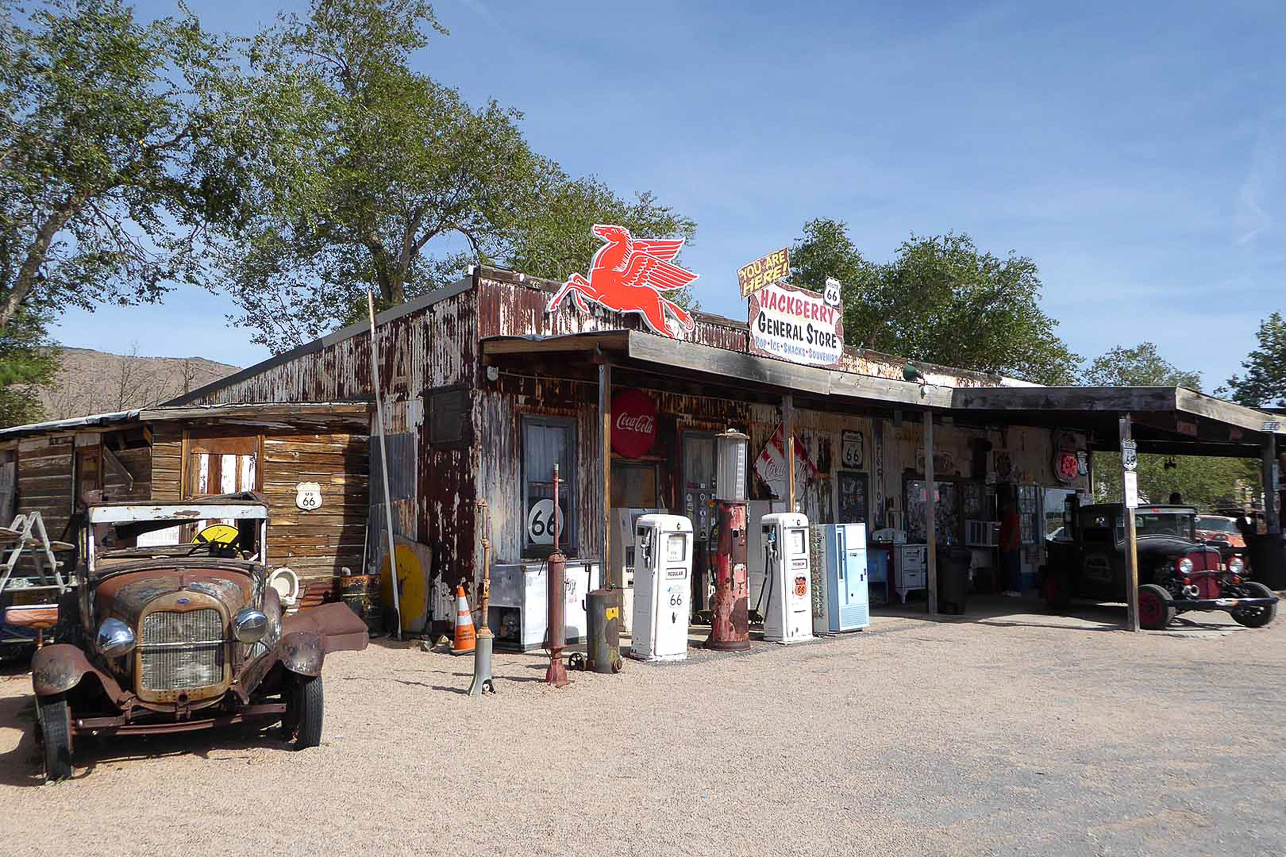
(633, 423)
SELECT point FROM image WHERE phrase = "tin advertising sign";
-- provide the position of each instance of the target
(759, 273)
(795, 324)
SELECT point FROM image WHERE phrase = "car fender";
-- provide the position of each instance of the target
(60, 667)
(302, 653)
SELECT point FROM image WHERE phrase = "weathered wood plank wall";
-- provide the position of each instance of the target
(45, 480)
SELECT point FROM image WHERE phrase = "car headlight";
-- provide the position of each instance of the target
(249, 625)
(1236, 565)
(1184, 566)
(114, 639)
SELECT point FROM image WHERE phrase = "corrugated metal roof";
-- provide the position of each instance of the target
(68, 424)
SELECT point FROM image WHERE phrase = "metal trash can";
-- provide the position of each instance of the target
(1267, 555)
(603, 640)
(953, 579)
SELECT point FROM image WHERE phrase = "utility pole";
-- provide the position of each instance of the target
(1130, 499)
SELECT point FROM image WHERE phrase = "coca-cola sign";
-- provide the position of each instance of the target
(633, 423)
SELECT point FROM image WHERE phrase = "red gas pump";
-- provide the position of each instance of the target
(730, 619)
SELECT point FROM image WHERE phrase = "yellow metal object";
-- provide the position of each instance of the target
(219, 534)
(413, 585)
(612, 613)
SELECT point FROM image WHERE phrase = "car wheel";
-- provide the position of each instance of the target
(1155, 611)
(1056, 590)
(55, 734)
(1255, 616)
(304, 712)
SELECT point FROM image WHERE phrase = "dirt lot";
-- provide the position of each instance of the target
(1011, 735)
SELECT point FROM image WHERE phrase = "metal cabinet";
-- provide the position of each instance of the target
(910, 564)
(519, 611)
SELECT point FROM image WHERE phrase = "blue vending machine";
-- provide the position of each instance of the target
(840, 598)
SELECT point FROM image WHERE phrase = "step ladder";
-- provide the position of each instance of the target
(41, 584)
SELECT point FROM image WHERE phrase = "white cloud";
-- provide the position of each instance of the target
(1253, 219)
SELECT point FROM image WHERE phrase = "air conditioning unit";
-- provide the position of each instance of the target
(982, 534)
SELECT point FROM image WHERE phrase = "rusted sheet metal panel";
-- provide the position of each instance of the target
(518, 309)
(433, 347)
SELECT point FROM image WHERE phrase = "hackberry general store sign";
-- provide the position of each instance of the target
(795, 324)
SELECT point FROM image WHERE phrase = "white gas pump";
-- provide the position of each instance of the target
(662, 585)
(788, 616)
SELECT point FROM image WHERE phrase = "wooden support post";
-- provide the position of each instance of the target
(1272, 515)
(788, 436)
(605, 413)
(930, 515)
(1131, 540)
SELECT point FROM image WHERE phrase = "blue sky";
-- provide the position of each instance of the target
(1135, 151)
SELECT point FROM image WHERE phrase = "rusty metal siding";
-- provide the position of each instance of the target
(508, 308)
(433, 347)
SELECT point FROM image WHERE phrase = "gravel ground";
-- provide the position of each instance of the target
(1016, 734)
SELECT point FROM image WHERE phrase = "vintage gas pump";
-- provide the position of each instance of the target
(730, 614)
(662, 568)
(789, 615)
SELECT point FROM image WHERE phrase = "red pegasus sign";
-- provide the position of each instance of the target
(628, 275)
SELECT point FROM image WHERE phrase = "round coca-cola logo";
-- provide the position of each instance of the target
(633, 423)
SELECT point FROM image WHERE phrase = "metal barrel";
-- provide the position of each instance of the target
(603, 617)
(730, 615)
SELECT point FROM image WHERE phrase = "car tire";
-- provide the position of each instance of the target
(305, 710)
(1056, 590)
(1155, 610)
(55, 734)
(1255, 617)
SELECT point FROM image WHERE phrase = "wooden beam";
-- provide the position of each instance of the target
(614, 339)
(114, 463)
(930, 516)
(660, 350)
(1272, 514)
(605, 415)
(788, 436)
(1131, 539)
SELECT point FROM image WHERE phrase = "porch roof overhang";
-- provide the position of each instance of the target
(1166, 420)
(720, 366)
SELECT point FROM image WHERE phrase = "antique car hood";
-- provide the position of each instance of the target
(1156, 546)
(128, 591)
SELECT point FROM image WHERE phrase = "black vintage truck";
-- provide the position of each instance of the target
(1177, 573)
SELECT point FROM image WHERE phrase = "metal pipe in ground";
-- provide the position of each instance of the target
(556, 577)
(482, 676)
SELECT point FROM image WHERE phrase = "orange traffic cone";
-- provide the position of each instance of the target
(466, 637)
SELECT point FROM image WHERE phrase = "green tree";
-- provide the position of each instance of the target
(28, 360)
(106, 172)
(555, 241)
(939, 300)
(1200, 480)
(1264, 384)
(1141, 366)
(357, 172)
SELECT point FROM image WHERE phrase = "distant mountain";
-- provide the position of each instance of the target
(95, 382)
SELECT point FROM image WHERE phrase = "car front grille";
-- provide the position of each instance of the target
(180, 651)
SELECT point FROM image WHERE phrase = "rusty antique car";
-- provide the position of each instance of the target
(1178, 573)
(161, 636)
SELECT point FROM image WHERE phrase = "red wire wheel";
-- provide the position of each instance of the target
(1155, 611)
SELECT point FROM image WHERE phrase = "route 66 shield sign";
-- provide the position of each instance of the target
(308, 496)
(1129, 454)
